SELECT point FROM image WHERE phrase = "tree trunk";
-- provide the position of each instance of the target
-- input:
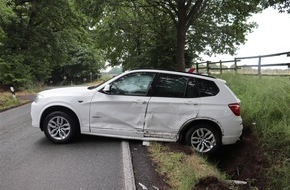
(180, 61)
(186, 13)
(180, 39)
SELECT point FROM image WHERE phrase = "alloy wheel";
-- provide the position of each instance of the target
(59, 128)
(203, 140)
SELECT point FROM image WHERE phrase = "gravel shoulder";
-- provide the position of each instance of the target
(144, 169)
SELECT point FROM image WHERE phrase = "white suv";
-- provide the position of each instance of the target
(149, 105)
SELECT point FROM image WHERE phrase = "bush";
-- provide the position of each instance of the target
(14, 73)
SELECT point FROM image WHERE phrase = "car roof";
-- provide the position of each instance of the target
(173, 72)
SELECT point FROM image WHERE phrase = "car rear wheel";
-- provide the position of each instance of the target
(60, 127)
(203, 138)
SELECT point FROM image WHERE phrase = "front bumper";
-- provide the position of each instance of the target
(35, 115)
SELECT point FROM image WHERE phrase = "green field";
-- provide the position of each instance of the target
(266, 109)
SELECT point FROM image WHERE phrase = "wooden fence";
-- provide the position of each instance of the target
(235, 66)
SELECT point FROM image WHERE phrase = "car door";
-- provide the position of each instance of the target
(174, 101)
(121, 111)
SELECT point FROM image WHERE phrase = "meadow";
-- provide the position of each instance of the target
(265, 109)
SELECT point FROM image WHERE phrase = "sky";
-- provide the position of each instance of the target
(272, 36)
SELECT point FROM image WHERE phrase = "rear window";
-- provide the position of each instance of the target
(178, 86)
(207, 88)
(170, 86)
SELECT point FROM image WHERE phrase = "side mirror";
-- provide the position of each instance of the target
(107, 89)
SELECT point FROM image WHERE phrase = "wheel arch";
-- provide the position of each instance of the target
(51, 109)
(189, 124)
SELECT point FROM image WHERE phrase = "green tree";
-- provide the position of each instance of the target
(281, 5)
(38, 36)
(137, 35)
(129, 31)
(208, 26)
(83, 62)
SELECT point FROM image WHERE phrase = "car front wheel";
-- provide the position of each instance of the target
(203, 138)
(59, 127)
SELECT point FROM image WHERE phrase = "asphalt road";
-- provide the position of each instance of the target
(29, 161)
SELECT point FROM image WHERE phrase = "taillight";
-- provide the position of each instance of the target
(236, 109)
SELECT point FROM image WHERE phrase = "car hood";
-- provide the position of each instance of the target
(67, 91)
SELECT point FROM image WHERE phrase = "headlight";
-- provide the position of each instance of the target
(38, 98)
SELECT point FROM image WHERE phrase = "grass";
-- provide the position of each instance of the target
(182, 171)
(7, 101)
(265, 109)
(266, 103)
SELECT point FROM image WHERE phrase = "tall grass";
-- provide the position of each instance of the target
(7, 101)
(266, 109)
(181, 170)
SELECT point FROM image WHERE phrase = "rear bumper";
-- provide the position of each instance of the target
(233, 135)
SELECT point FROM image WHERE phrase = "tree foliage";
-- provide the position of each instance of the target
(208, 26)
(128, 36)
(281, 5)
(170, 33)
(37, 37)
(47, 40)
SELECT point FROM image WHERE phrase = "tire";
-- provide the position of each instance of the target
(203, 138)
(59, 127)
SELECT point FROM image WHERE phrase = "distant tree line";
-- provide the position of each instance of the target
(50, 41)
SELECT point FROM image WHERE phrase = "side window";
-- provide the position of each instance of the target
(207, 88)
(136, 84)
(170, 86)
(192, 89)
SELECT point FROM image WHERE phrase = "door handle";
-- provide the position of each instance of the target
(140, 102)
(191, 103)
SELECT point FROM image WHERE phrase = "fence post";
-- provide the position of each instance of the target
(197, 68)
(236, 66)
(207, 67)
(259, 67)
(221, 67)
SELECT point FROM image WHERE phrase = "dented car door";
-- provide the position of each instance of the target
(174, 102)
(120, 109)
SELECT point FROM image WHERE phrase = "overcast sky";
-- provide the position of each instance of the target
(272, 36)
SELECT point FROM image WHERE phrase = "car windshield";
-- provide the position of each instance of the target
(95, 86)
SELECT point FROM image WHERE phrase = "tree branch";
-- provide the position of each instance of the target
(163, 8)
(195, 11)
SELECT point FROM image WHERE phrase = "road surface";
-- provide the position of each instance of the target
(29, 161)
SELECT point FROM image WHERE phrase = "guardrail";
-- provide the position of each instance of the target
(236, 67)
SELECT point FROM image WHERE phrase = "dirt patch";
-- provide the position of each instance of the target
(245, 161)
(211, 183)
(177, 147)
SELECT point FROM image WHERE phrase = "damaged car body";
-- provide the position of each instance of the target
(149, 105)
